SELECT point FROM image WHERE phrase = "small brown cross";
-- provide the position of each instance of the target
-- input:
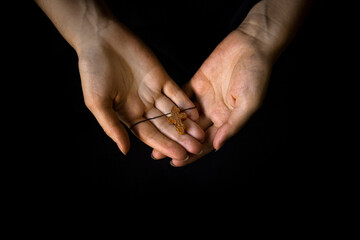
(176, 119)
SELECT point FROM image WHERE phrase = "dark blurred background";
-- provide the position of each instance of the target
(65, 147)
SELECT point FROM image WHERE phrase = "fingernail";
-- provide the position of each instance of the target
(122, 152)
(200, 152)
(172, 164)
(121, 149)
(187, 158)
(220, 146)
(152, 156)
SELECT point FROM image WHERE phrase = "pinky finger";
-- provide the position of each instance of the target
(156, 155)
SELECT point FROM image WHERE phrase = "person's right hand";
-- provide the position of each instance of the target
(123, 81)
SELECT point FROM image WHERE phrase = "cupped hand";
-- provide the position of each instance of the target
(229, 88)
(123, 81)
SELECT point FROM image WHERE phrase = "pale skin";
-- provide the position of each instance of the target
(130, 85)
(122, 80)
(231, 84)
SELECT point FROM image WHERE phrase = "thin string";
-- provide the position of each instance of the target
(157, 117)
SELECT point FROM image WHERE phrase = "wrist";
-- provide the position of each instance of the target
(273, 23)
(268, 40)
(89, 35)
(77, 20)
(93, 19)
(257, 47)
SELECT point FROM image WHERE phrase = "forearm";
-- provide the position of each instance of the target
(77, 20)
(273, 23)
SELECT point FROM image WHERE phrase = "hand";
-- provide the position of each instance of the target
(123, 81)
(229, 88)
(231, 83)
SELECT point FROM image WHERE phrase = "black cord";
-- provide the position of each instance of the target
(157, 117)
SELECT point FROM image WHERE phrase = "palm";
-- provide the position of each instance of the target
(130, 85)
(229, 87)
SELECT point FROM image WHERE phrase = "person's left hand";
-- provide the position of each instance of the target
(229, 88)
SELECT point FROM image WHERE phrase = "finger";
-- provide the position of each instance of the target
(238, 117)
(204, 122)
(194, 130)
(190, 130)
(177, 95)
(191, 144)
(164, 104)
(156, 155)
(151, 136)
(110, 123)
(207, 148)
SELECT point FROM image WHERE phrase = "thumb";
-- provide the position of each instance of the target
(235, 122)
(108, 120)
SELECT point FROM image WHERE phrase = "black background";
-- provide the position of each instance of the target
(58, 143)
